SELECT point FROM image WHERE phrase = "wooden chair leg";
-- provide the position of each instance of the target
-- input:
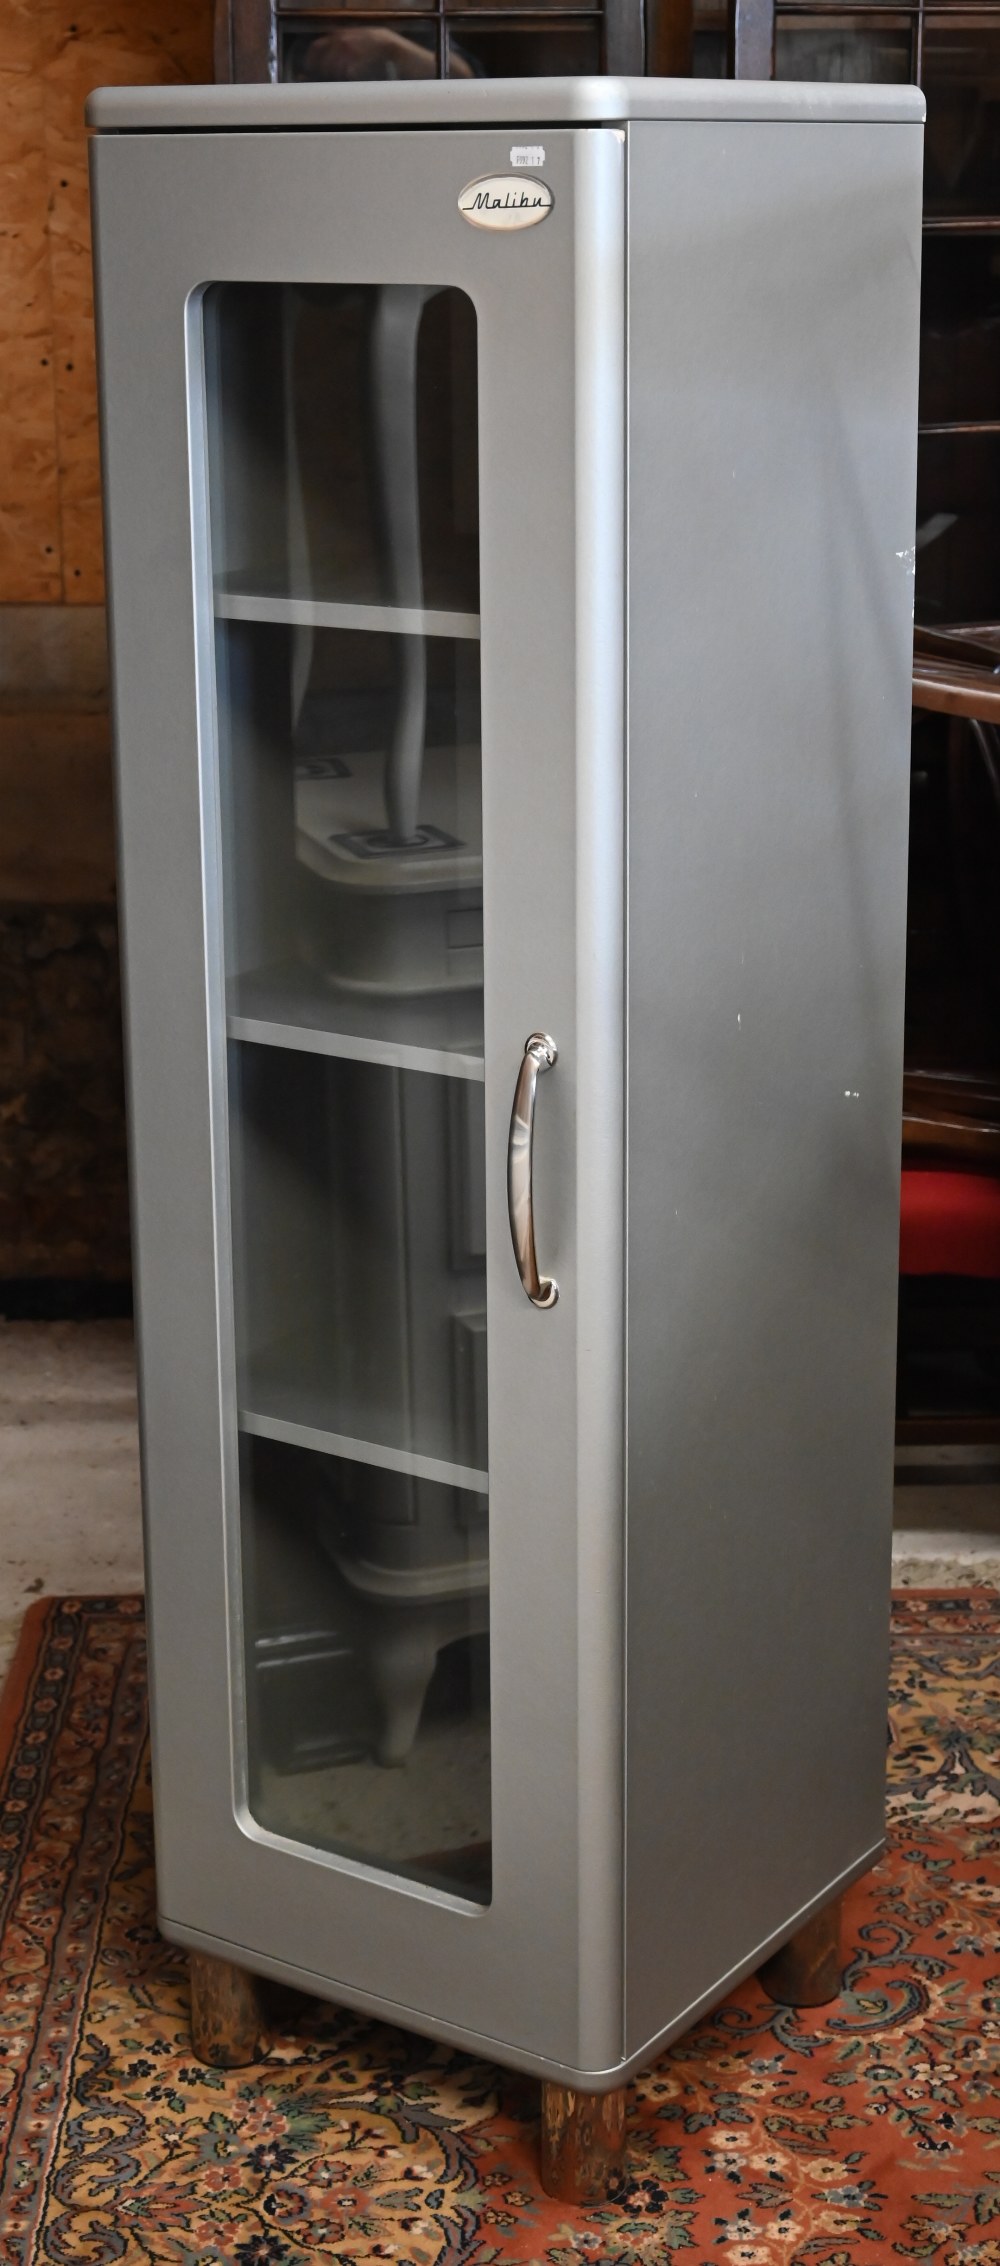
(583, 2142)
(807, 1971)
(227, 2021)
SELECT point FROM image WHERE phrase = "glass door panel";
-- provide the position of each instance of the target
(362, 48)
(359, 1257)
(366, 1597)
(843, 48)
(958, 499)
(343, 494)
(342, 434)
(344, 429)
(513, 50)
(708, 40)
(961, 78)
(333, 920)
(960, 330)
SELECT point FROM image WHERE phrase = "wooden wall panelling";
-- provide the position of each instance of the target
(57, 834)
(53, 657)
(54, 53)
(29, 502)
(57, 844)
(92, 43)
(63, 1207)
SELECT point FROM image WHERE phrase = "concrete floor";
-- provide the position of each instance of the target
(946, 1518)
(69, 1479)
(69, 1465)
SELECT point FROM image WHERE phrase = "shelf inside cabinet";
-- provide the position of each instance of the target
(284, 1394)
(276, 605)
(288, 1006)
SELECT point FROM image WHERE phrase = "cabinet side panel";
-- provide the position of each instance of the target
(773, 298)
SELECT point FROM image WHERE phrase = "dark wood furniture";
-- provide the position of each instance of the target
(949, 1357)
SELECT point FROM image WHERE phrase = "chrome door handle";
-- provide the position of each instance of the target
(540, 1053)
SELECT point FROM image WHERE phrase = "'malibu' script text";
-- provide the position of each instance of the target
(504, 200)
(483, 202)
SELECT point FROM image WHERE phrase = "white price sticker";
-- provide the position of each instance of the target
(527, 156)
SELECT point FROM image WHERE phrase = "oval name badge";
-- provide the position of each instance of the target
(505, 200)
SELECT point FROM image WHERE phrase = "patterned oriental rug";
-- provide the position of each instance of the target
(867, 2131)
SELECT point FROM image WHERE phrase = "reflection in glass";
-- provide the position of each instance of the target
(961, 79)
(359, 1233)
(332, 410)
(324, 905)
(345, 541)
(958, 511)
(843, 49)
(358, 1206)
(960, 329)
(538, 7)
(517, 50)
(708, 44)
(365, 50)
(368, 1664)
(342, 444)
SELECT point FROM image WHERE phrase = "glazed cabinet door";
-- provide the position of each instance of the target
(364, 479)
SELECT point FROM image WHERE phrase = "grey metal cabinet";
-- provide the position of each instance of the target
(510, 498)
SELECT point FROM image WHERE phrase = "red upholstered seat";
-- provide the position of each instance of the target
(949, 1224)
